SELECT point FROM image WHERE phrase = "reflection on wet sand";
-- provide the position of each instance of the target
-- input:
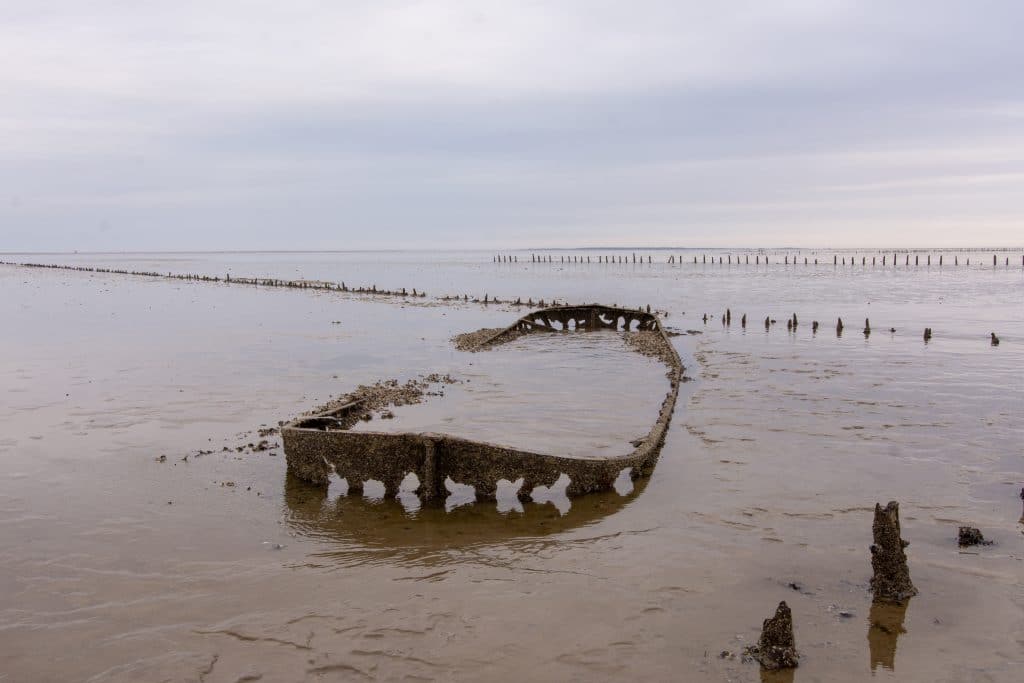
(885, 624)
(388, 529)
(778, 675)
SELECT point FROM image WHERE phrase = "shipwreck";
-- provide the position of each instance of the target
(320, 444)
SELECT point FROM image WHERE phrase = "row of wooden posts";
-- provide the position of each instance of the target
(729, 259)
(260, 282)
(792, 323)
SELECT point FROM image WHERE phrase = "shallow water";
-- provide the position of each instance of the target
(115, 566)
(527, 394)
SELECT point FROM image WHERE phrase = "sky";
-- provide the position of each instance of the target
(214, 124)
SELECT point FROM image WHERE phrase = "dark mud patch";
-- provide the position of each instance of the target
(471, 341)
(381, 396)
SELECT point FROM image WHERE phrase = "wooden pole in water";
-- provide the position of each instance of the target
(767, 323)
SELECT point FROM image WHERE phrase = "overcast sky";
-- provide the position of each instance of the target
(207, 124)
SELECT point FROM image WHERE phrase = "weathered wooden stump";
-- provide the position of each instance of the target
(968, 536)
(776, 648)
(891, 581)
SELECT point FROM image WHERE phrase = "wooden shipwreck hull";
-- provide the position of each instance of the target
(314, 448)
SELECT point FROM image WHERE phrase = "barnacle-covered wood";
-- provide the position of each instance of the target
(315, 445)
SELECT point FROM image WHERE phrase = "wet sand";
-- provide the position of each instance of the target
(116, 566)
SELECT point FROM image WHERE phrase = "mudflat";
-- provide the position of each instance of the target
(135, 547)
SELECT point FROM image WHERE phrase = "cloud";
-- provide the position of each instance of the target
(240, 124)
